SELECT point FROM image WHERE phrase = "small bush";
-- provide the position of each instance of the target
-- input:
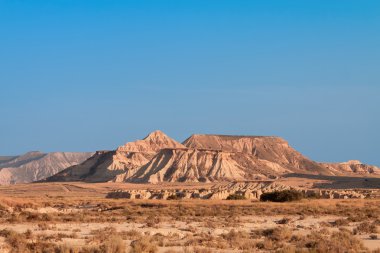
(114, 244)
(282, 196)
(267, 244)
(340, 222)
(174, 197)
(278, 234)
(314, 195)
(236, 196)
(152, 221)
(373, 237)
(365, 228)
(283, 221)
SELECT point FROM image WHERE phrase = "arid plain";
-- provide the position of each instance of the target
(78, 217)
(211, 193)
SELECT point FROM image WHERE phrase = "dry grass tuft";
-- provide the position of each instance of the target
(143, 245)
(365, 228)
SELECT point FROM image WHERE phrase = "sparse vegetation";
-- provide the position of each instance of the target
(144, 245)
(341, 222)
(174, 197)
(99, 225)
(282, 196)
(236, 196)
(365, 228)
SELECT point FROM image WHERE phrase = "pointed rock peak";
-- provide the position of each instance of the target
(154, 142)
(156, 135)
(161, 140)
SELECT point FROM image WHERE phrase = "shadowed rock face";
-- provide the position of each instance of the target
(201, 158)
(34, 166)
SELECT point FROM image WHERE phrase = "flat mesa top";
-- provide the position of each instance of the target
(236, 136)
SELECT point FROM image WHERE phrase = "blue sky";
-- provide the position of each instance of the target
(91, 75)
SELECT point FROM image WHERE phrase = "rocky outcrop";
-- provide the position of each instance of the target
(250, 190)
(352, 166)
(34, 166)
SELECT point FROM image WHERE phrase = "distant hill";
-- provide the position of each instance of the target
(203, 158)
(34, 166)
(4, 159)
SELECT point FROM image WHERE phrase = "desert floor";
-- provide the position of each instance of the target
(76, 217)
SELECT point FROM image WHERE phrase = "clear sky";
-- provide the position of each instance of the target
(90, 75)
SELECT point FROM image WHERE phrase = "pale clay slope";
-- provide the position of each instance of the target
(202, 158)
(22, 159)
(35, 166)
(193, 165)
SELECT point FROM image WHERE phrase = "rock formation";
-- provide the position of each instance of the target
(250, 190)
(202, 158)
(120, 164)
(352, 166)
(225, 158)
(273, 150)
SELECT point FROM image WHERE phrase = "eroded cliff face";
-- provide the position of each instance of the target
(196, 165)
(120, 164)
(189, 165)
(267, 148)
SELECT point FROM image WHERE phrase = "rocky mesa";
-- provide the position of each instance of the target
(203, 158)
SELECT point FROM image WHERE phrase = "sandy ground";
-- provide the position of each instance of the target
(82, 199)
(299, 226)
